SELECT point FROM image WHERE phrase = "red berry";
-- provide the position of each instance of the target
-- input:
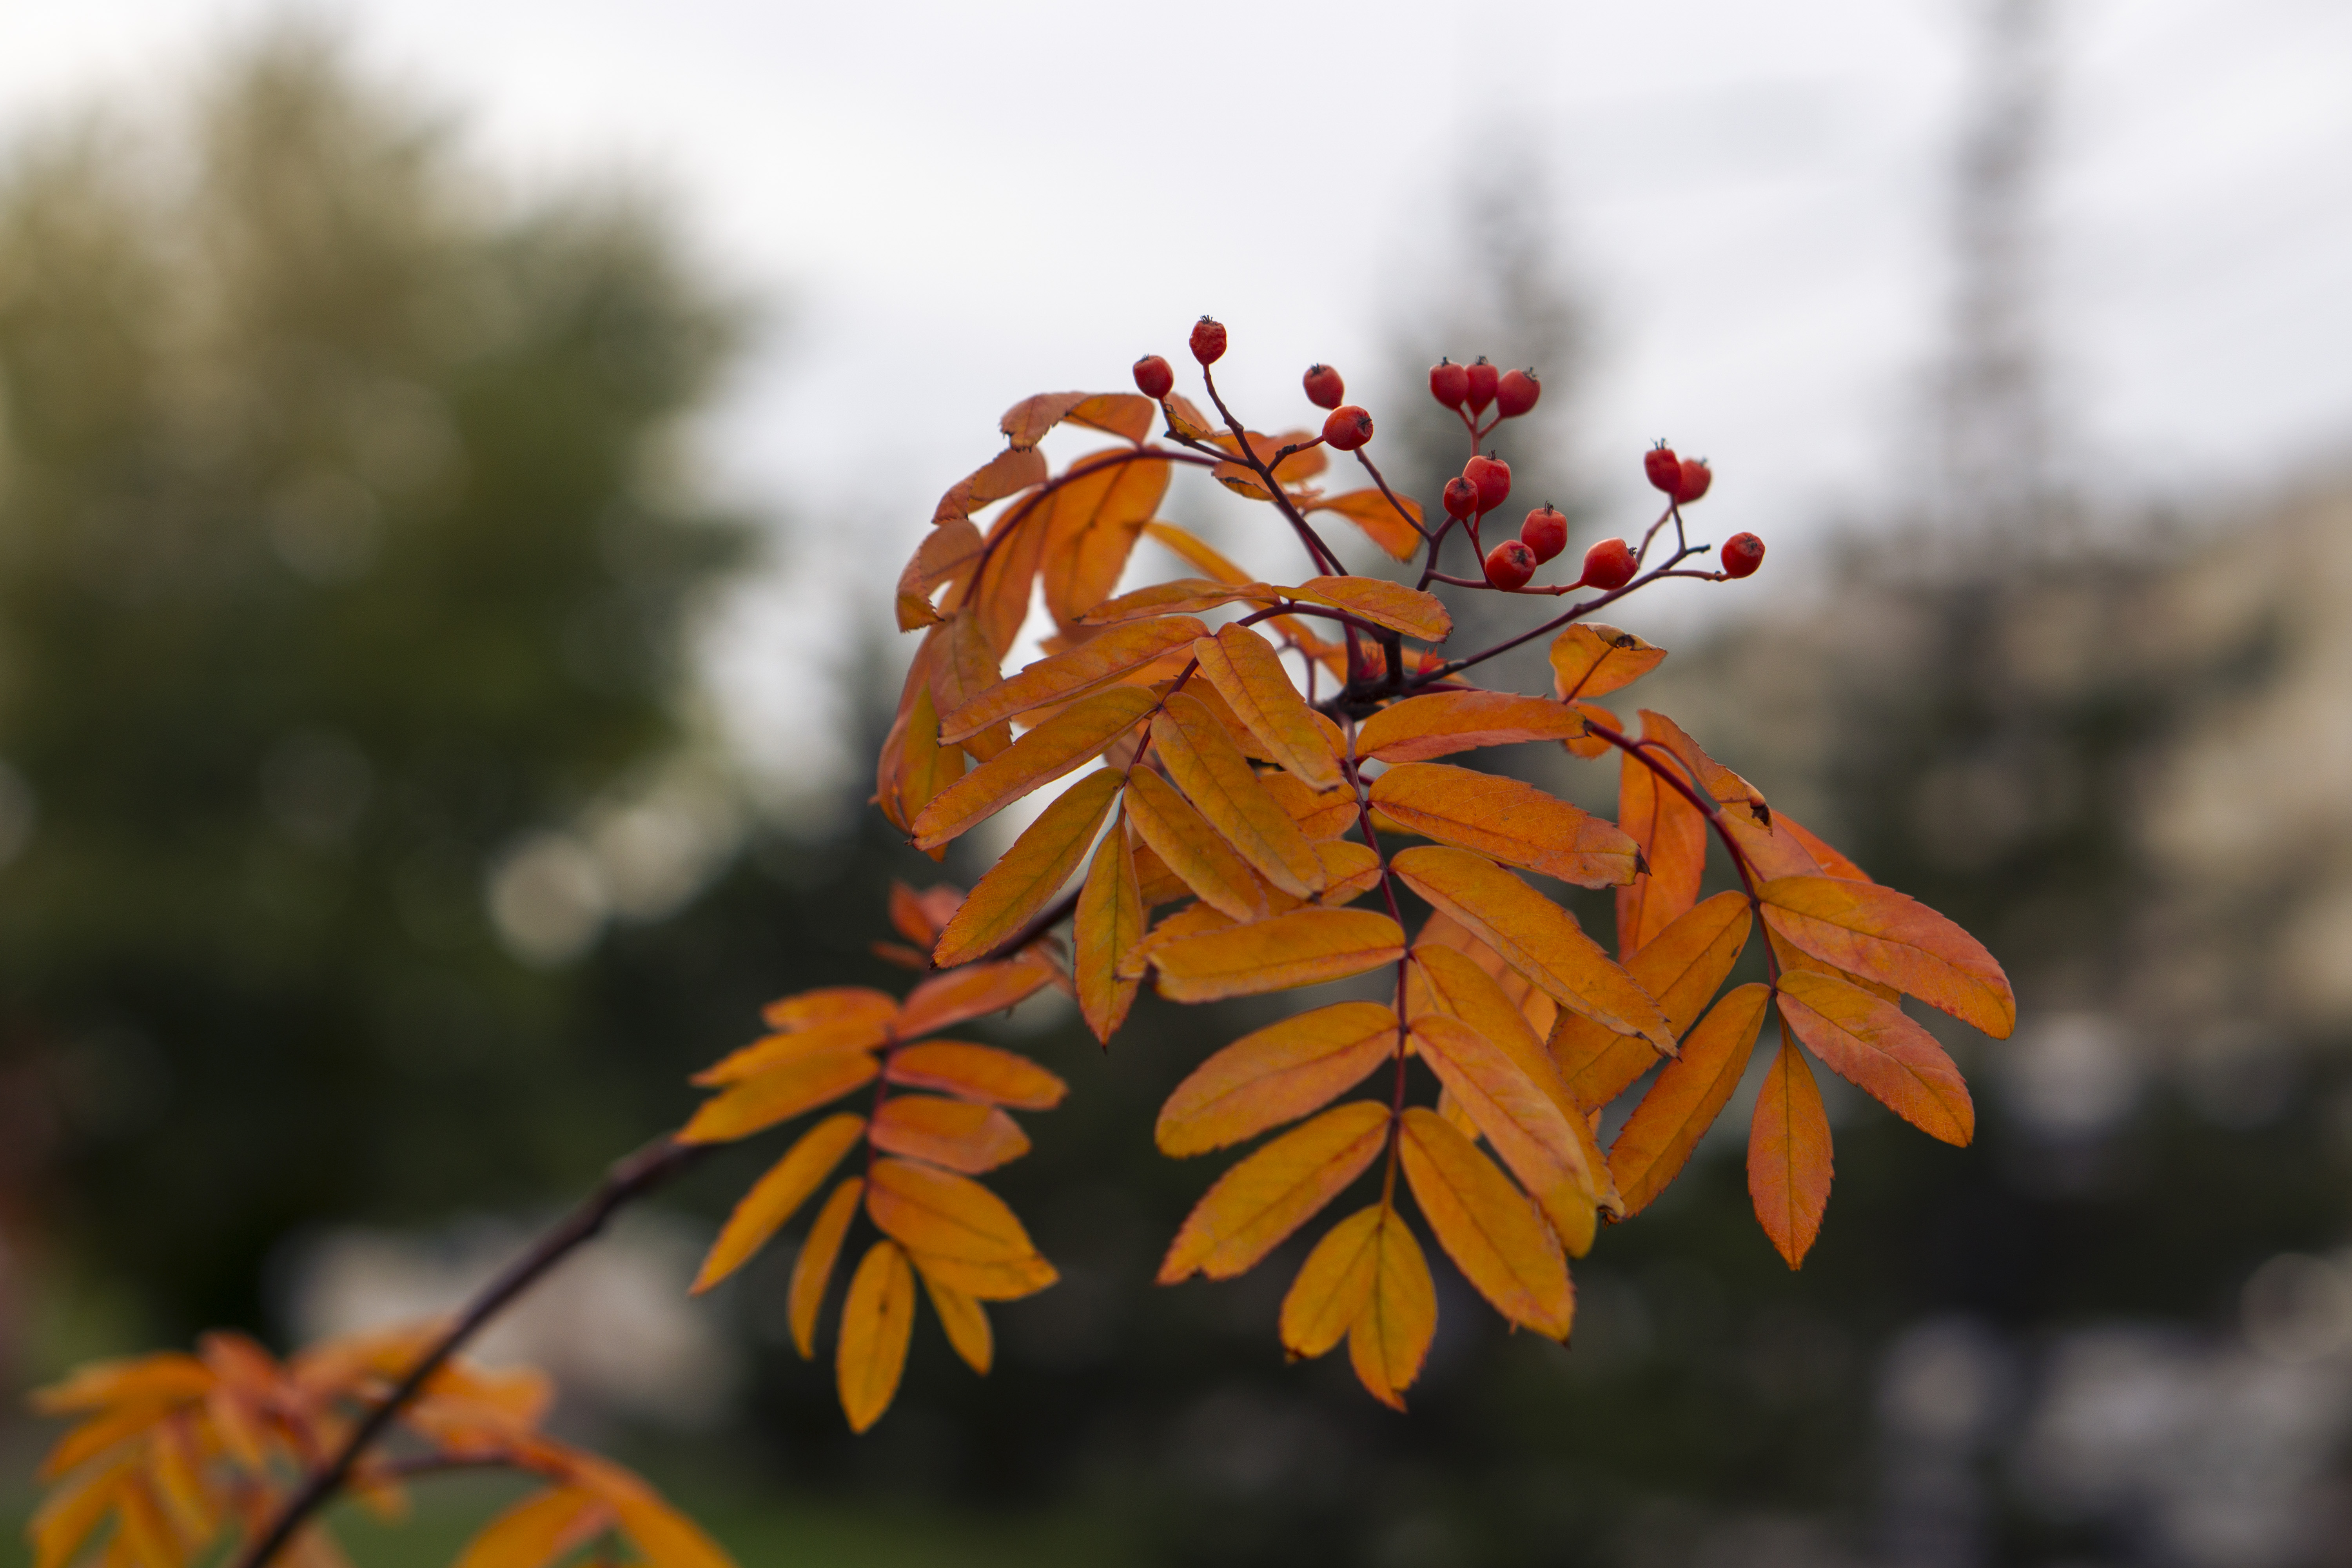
(1545, 532)
(1153, 378)
(1509, 564)
(1665, 470)
(1692, 481)
(1449, 383)
(1208, 340)
(1492, 478)
(1742, 553)
(1348, 428)
(1483, 378)
(1324, 387)
(1461, 497)
(1517, 393)
(1608, 565)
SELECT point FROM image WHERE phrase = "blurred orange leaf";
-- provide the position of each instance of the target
(774, 1196)
(778, 1094)
(813, 1269)
(1370, 510)
(957, 1133)
(877, 1318)
(976, 1072)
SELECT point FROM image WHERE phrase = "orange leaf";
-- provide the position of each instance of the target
(1420, 728)
(777, 1094)
(1249, 676)
(1673, 837)
(1155, 883)
(1006, 474)
(1788, 1155)
(833, 1003)
(975, 1072)
(956, 1134)
(1197, 553)
(1875, 1047)
(1096, 662)
(1882, 935)
(1187, 420)
(1000, 592)
(1691, 1091)
(1683, 967)
(1333, 1284)
(1190, 847)
(1791, 959)
(813, 1269)
(948, 551)
(1119, 413)
(1185, 595)
(1382, 603)
(1392, 1335)
(1320, 813)
(1193, 919)
(774, 1051)
(1833, 864)
(1109, 922)
(664, 1537)
(1206, 764)
(168, 1377)
(1504, 820)
(1487, 1225)
(1275, 1075)
(1349, 870)
(923, 767)
(1067, 740)
(948, 1219)
(1031, 873)
(1305, 947)
(774, 1196)
(965, 1320)
(1715, 781)
(537, 1530)
(1258, 1202)
(1371, 511)
(876, 1319)
(1590, 660)
(1591, 745)
(969, 992)
(1525, 1127)
(1095, 519)
(963, 666)
(1535, 936)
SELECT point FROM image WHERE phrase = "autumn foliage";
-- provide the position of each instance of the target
(1267, 777)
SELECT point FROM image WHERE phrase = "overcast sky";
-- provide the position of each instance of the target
(951, 206)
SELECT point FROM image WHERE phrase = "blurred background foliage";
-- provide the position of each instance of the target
(373, 876)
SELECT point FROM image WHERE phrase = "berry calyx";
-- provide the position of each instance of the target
(1208, 340)
(1608, 565)
(1348, 428)
(1461, 497)
(1153, 378)
(1509, 564)
(1517, 393)
(1449, 383)
(1484, 379)
(1742, 553)
(1324, 387)
(1692, 481)
(1492, 476)
(1545, 532)
(1664, 469)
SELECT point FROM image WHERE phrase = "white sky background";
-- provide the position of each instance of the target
(952, 205)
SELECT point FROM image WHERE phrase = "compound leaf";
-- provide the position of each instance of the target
(775, 1195)
(1883, 935)
(1873, 1045)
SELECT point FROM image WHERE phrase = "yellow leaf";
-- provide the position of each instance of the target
(1275, 1075)
(1031, 873)
(537, 1530)
(1205, 763)
(1487, 1225)
(1524, 1124)
(1391, 1335)
(925, 768)
(963, 666)
(1096, 662)
(831, 1004)
(876, 1319)
(1333, 1284)
(1349, 870)
(665, 1538)
(948, 1218)
(1006, 474)
(1371, 511)
(1683, 967)
(1109, 922)
(975, 1072)
(965, 1320)
(775, 1196)
(1198, 555)
(948, 551)
(1420, 728)
(1692, 1091)
(1183, 596)
(1007, 1281)
(1673, 837)
(1193, 919)
(1536, 937)
(1063, 743)
(1382, 603)
(1590, 660)
(777, 1094)
(1504, 820)
(1190, 846)
(1249, 676)
(852, 1033)
(813, 1269)
(1880, 934)
(1788, 1166)
(1875, 1047)
(969, 992)
(1258, 1202)
(956, 1134)
(1305, 947)
(1715, 781)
